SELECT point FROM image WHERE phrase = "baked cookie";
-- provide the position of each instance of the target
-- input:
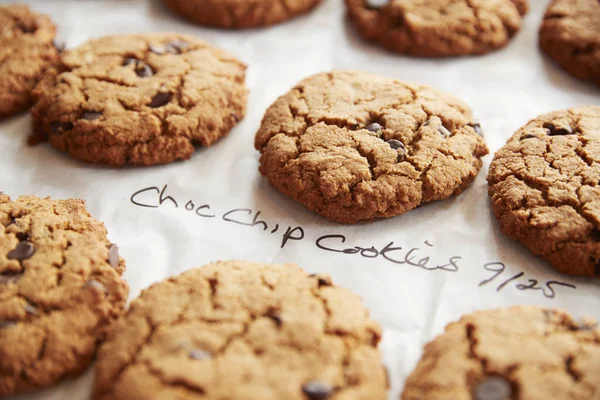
(139, 99)
(438, 28)
(544, 189)
(27, 50)
(236, 14)
(60, 286)
(355, 146)
(524, 352)
(239, 330)
(570, 35)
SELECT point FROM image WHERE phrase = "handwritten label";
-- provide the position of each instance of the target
(420, 256)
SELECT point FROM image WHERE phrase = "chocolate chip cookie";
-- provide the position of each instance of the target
(139, 99)
(570, 35)
(235, 14)
(524, 352)
(240, 330)
(60, 286)
(438, 28)
(27, 50)
(544, 189)
(355, 146)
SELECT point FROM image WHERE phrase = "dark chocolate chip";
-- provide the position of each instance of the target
(556, 130)
(493, 388)
(395, 144)
(176, 46)
(91, 115)
(27, 29)
(376, 4)
(143, 70)
(427, 123)
(477, 128)
(160, 99)
(6, 278)
(130, 60)
(444, 131)
(7, 324)
(22, 236)
(200, 355)
(528, 136)
(157, 50)
(113, 255)
(595, 234)
(275, 318)
(95, 284)
(59, 46)
(30, 309)
(317, 390)
(23, 251)
(58, 127)
(374, 127)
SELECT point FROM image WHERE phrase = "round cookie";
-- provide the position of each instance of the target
(240, 330)
(570, 35)
(543, 186)
(235, 14)
(140, 99)
(523, 352)
(354, 146)
(27, 50)
(438, 28)
(60, 286)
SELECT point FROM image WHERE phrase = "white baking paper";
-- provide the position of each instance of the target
(413, 304)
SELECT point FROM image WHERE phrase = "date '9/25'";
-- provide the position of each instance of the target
(548, 289)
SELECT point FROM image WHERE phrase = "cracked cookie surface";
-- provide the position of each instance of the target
(523, 352)
(238, 14)
(139, 99)
(60, 286)
(543, 186)
(438, 28)
(570, 35)
(354, 146)
(27, 50)
(241, 330)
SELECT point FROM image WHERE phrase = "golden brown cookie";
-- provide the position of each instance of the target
(438, 28)
(354, 146)
(60, 286)
(140, 99)
(239, 330)
(523, 352)
(543, 185)
(27, 50)
(236, 14)
(570, 35)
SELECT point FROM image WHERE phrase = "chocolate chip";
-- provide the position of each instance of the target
(10, 277)
(317, 390)
(528, 136)
(95, 284)
(157, 50)
(143, 70)
(113, 256)
(556, 130)
(493, 388)
(322, 281)
(30, 309)
(376, 4)
(59, 46)
(427, 123)
(176, 46)
(595, 234)
(200, 355)
(27, 29)
(7, 324)
(477, 128)
(129, 60)
(395, 144)
(374, 127)
(91, 115)
(444, 131)
(22, 236)
(275, 318)
(58, 127)
(160, 99)
(13, 220)
(23, 251)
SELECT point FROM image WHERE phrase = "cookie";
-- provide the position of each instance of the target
(60, 286)
(235, 14)
(355, 146)
(570, 35)
(438, 28)
(239, 330)
(27, 50)
(139, 99)
(543, 185)
(523, 352)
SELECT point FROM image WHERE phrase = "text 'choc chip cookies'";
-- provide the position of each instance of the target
(236, 14)
(354, 146)
(438, 28)
(570, 35)
(140, 99)
(238, 330)
(523, 352)
(544, 189)
(27, 50)
(60, 286)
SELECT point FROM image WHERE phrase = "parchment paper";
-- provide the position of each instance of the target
(412, 302)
